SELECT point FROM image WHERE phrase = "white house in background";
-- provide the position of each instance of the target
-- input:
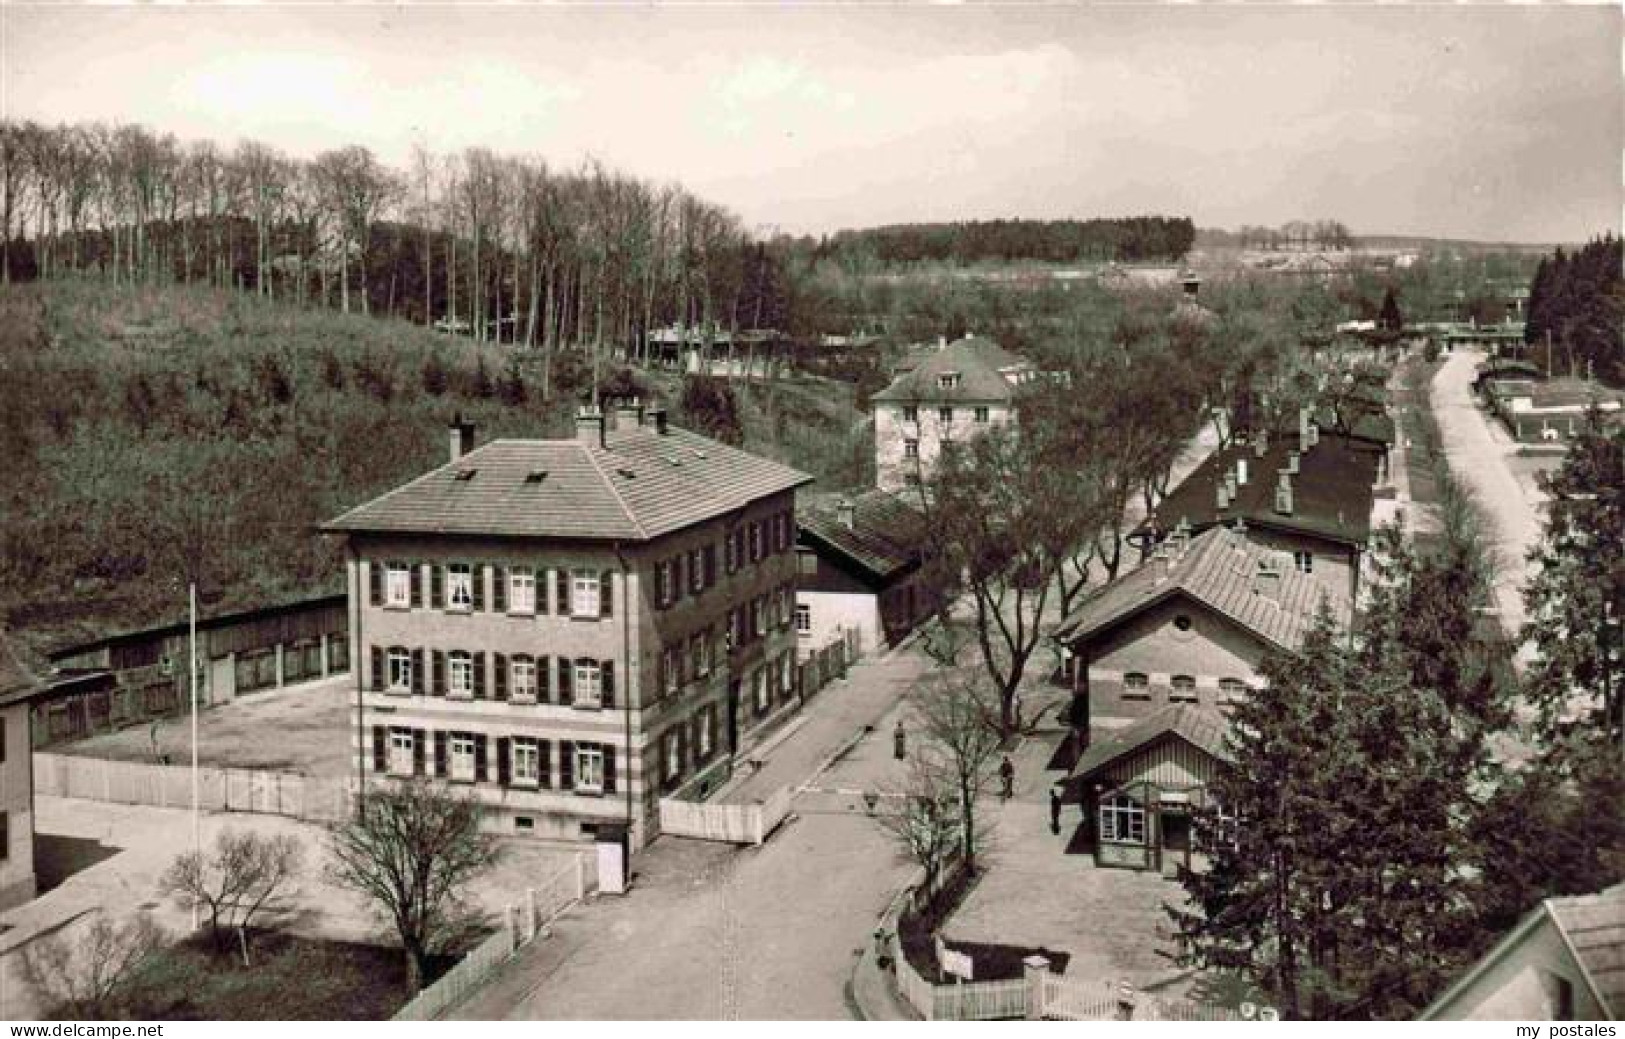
(943, 395)
(1564, 962)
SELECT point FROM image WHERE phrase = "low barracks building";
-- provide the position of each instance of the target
(574, 627)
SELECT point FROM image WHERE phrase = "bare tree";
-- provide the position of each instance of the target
(957, 717)
(410, 849)
(1000, 520)
(84, 978)
(358, 190)
(922, 819)
(243, 876)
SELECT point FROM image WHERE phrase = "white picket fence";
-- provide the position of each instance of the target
(1065, 1000)
(1039, 994)
(522, 922)
(961, 1000)
(170, 786)
(732, 823)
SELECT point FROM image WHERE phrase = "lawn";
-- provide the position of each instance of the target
(287, 978)
(303, 728)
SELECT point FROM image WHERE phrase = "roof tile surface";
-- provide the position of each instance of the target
(639, 485)
(1221, 569)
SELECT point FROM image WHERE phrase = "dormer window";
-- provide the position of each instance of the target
(948, 381)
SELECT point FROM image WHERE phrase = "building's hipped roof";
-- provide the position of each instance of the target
(1331, 492)
(886, 535)
(642, 485)
(979, 363)
(1202, 727)
(1219, 568)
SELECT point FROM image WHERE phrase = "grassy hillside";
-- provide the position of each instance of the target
(156, 435)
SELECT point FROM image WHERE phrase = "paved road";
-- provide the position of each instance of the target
(1478, 453)
(712, 932)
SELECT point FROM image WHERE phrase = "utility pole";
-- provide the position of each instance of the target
(197, 832)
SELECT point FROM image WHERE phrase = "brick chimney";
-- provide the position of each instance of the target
(590, 425)
(1241, 471)
(629, 413)
(1267, 579)
(1283, 493)
(847, 513)
(461, 436)
(1292, 462)
(1221, 494)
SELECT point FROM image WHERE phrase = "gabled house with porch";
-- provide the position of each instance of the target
(1138, 785)
(1154, 659)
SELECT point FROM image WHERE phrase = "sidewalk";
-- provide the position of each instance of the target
(829, 722)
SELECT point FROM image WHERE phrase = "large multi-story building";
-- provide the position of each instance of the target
(574, 627)
(950, 393)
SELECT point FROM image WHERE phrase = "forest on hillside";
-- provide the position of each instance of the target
(167, 434)
(1125, 240)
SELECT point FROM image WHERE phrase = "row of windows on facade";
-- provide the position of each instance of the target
(520, 678)
(532, 762)
(1180, 687)
(466, 757)
(523, 590)
(687, 658)
(695, 571)
(945, 415)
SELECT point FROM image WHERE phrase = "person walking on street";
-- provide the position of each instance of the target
(1007, 777)
(1055, 809)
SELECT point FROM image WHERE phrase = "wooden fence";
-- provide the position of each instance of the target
(170, 786)
(521, 924)
(827, 663)
(733, 823)
(962, 1000)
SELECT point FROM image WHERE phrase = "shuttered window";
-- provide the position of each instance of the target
(460, 667)
(585, 600)
(524, 678)
(521, 590)
(589, 769)
(400, 670)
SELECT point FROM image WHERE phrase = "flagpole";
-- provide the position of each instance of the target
(197, 834)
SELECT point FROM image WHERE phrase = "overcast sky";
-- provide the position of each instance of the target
(1501, 123)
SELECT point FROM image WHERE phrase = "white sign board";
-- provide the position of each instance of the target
(957, 964)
